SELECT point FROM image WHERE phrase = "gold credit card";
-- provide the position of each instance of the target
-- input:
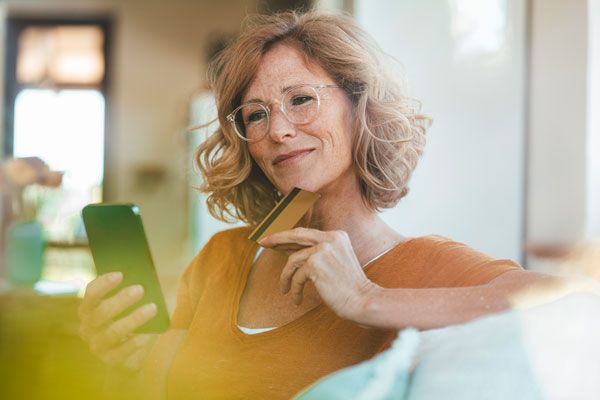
(286, 213)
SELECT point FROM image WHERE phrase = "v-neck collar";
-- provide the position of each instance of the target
(249, 254)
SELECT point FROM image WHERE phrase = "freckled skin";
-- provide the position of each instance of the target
(327, 169)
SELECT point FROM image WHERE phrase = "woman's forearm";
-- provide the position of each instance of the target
(438, 307)
(126, 381)
(428, 308)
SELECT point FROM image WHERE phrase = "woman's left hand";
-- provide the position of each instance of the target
(328, 260)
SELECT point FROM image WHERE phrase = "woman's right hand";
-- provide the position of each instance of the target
(113, 341)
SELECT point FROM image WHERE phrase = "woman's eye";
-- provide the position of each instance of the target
(256, 116)
(301, 99)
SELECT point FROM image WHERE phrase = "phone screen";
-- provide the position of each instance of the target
(118, 243)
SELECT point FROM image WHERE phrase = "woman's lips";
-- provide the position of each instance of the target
(292, 160)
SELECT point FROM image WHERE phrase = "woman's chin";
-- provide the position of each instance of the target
(288, 186)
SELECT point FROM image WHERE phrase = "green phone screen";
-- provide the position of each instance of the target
(118, 243)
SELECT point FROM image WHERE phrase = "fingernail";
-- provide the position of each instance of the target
(135, 290)
(150, 309)
(115, 276)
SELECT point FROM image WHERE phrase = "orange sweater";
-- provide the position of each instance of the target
(218, 361)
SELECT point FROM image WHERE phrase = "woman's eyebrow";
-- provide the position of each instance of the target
(283, 90)
(253, 101)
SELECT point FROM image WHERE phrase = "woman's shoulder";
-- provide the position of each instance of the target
(439, 261)
(234, 234)
(222, 245)
(220, 255)
(428, 246)
(434, 246)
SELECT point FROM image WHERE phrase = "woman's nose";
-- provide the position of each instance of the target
(279, 126)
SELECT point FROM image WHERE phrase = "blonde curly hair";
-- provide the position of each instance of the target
(390, 130)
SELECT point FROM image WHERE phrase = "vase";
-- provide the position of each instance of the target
(25, 252)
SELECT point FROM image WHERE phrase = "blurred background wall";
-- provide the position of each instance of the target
(593, 117)
(466, 61)
(558, 128)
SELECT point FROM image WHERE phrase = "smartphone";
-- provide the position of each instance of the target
(118, 243)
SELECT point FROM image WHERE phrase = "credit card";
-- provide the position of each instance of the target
(286, 213)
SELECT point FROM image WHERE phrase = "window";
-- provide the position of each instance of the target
(56, 109)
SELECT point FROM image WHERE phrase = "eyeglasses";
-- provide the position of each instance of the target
(299, 104)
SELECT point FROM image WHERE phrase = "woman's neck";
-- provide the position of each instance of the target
(345, 210)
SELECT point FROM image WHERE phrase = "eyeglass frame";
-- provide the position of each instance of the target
(316, 87)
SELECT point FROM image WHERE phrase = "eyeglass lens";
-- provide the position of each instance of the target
(300, 106)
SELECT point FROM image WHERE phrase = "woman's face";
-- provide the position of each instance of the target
(326, 159)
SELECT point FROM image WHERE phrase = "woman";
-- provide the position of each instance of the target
(303, 100)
